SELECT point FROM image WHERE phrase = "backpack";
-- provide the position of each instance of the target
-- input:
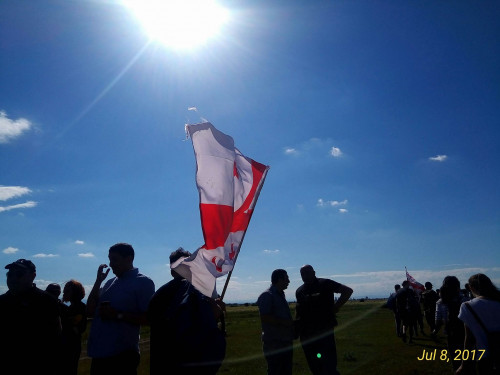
(493, 339)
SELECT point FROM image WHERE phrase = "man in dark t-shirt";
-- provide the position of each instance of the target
(30, 325)
(315, 315)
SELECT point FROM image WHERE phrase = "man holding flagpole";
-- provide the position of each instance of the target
(185, 338)
(229, 184)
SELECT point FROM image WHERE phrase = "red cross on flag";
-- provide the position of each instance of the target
(229, 184)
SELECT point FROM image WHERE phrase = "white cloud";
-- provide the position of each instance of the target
(439, 158)
(42, 255)
(28, 204)
(86, 255)
(291, 151)
(343, 210)
(10, 250)
(8, 192)
(271, 251)
(79, 242)
(10, 129)
(335, 152)
(323, 203)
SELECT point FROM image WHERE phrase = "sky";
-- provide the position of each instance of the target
(380, 122)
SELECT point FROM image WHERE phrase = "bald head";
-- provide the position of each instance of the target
(307, 273)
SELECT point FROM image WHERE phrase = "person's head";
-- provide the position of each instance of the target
(53, 289)
(450, 288)
(308, 274)
(20, 275)
(405, 284)
(428, 285)
(279, 278)
(175, 256)
(397, 287)
(481, 286)
(121, 258)
(73, 291)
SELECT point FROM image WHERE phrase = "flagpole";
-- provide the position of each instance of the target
(257, 193)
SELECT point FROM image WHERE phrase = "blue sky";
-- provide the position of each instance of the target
(380, 121)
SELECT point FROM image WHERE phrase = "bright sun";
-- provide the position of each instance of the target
(180, 24)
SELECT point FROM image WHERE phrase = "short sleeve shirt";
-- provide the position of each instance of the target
(273, 302)
(129, 293)
(489, 313)
(315, 305)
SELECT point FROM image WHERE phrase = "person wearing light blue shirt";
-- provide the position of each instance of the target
(118, 309)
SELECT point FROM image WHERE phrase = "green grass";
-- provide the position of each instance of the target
(366, 344)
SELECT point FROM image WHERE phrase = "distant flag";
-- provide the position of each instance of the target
(414, 283)
(229, 184)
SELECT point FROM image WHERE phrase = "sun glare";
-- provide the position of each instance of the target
(180, 24)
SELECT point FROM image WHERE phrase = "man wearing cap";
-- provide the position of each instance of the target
(30, 324)
(118, 309)
(315, 313)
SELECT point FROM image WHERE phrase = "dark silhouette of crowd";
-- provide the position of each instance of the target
(468, 317)
(42, 333)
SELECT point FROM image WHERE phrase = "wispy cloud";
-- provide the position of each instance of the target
(10, 250)
(28, 204)
(11, 129)
(336, 152)
(9, 192)
(343, 210)
(315, 147)
(271, 251)
(323, 203)
(43, 255)
(438, 158)
(79, 242)
(86, 255)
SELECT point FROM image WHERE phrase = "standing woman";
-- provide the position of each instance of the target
(478, 315)
(74, 323)
(447, 309)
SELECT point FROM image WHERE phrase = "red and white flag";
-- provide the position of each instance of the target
(414, 283)
(229, 184)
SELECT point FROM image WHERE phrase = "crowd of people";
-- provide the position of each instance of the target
(42, 333)
(469, 317)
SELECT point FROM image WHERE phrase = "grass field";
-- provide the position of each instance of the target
(366, 344)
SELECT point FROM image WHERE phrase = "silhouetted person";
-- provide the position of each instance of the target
(429, 299)
(30, 325)
(406, 299)
(118, 309)
(74, 323)
(277, 325)
(185, 338)
(447, 309)
(391, 304)
(481, 317)
(316, 309)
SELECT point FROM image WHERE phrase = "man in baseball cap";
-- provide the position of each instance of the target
(30, 324)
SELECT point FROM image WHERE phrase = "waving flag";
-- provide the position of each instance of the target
(229, 184)
(414, 283)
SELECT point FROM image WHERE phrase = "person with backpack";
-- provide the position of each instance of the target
(406, 302)
(184, 338)
(429, 299)
(481, 317)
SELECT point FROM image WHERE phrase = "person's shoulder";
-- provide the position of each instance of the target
(300, 289)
